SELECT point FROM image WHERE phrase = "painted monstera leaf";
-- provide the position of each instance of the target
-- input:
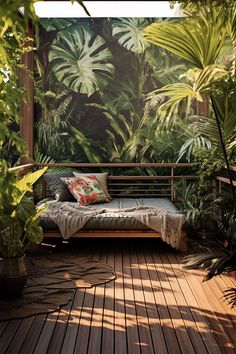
(81, 61)
(130, 33)
(54, 24)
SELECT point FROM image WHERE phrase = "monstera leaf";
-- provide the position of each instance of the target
(130, 33)
(54, 24)
(80, 60)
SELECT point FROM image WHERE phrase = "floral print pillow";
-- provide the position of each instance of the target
(86, 190)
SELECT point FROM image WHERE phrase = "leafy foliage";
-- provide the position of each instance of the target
(195, 39)
(17, 211)
(129, 33)
(54, 24)
(198, 207)
(200, 40)
(80, 60)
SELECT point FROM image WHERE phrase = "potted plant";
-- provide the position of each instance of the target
(19, 225)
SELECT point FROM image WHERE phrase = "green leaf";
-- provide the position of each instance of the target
(25, 209)
(81, 61)
(52, 24)
(198, 39)
(35, 233)
(129, 33)
(25, 183)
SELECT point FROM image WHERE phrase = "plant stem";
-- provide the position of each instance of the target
(225, 154)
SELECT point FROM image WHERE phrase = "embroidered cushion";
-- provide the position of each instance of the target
(86, 190)
(101, 177)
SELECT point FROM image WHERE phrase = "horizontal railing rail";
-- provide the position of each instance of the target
(115, 164)
(27, 166)
(222, 182)
(139, 184)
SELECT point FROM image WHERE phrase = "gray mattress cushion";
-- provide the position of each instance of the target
(100, 222)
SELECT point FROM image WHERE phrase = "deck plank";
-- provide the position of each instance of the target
(119, 308)
(133, 341)
(198, 327)
(142, 317)
(163, 309)
(153, 307)
(3, 326)
(206, 303)
(20, 335)
(155, 324)
(8, 335)
(97, 317)
(108, 320)
(84, 326)
(32, 337)
(63, 319)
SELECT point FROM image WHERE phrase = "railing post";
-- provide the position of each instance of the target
(172, 184)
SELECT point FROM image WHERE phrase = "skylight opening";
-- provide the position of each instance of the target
(50, 9)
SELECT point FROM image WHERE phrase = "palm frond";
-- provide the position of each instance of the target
(198, 39)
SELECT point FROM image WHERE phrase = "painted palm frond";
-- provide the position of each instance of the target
(200, 81)
(208, 127)
(81, 61)
(203, 79)
(129, 33)
(198, 39)
(190, 144)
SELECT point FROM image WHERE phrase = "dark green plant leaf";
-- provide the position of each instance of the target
(52, 24)
(81, 61)
(130, 33)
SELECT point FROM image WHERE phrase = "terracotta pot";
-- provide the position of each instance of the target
(13, 276)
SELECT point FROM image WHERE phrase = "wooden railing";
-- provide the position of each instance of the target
(22, 169)
(143, 183)
(221, 180)
(226, 179)
(146, 183)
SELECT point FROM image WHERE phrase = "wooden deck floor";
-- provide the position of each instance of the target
(152, 307)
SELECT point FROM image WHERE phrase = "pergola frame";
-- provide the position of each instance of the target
(27, 108)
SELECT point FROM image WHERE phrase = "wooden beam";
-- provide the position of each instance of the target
(107, 233)
(27, 108)
(225, 180)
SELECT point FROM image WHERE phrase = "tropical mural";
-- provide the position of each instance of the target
(94, 78)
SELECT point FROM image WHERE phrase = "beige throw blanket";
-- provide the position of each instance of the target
(70, 218)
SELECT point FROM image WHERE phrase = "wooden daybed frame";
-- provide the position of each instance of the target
(145, 185)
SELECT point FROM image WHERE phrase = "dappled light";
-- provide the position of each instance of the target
(152, 304)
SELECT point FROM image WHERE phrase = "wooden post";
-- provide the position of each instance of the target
(172, 185)
(27, 108)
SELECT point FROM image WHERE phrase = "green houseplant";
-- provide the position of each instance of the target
(19, 225)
